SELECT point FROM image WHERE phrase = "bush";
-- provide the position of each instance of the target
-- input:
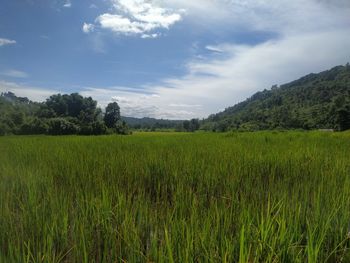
(35, 126)
(249, 127)
(61, 126)
(98, 128)
(95, 128)
(4, 129)
(122, 128)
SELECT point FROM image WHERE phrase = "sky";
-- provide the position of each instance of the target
(173, 59)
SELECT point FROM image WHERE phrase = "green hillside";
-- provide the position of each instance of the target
(316, 101)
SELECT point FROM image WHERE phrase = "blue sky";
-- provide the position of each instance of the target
(172, 59)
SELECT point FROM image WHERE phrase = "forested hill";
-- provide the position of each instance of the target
(316, 101)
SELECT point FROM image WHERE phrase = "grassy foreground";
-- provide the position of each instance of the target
(239, 197)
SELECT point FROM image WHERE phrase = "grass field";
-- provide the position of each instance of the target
(237, 197)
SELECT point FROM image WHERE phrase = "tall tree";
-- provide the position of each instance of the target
(112, 114)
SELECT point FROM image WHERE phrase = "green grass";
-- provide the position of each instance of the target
(167, 197)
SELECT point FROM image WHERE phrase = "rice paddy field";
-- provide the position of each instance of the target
(176, 197)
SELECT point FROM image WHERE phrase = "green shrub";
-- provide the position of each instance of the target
(35, 126)
(61, 126)
(4, 129)
(121, 128)
(95, 128)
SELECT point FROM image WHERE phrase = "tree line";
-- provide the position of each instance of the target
(152, 124)
(70, 114)
(66, 114)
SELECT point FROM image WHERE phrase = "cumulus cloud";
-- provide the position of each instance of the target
(88, 28)
(5, 41)
(138, 17)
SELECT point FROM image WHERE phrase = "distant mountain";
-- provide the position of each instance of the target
(316, 101)
(151, 123)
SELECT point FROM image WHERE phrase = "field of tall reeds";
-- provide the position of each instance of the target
(203, 197)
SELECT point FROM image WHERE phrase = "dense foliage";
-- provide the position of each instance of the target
(59, 115)
(191, 125)
(151, 197)
(152, 124)
(316, 101)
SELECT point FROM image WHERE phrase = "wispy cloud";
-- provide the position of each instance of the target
(5, 41)
(67, 4)
(136, 103)
(14, 73)
(214, 49)
(45, 37)
(266, 15)
(179, 105)
(33, 93)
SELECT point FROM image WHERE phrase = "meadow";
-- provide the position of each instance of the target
(176, 197)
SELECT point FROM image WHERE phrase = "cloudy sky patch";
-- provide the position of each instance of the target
(173, 59)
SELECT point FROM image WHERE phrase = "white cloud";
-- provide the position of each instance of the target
(67, 4)
(14, 73)
(88, 28)
(120, 24)
(138, 17)
(150, 35)
(33, 93)
(267, 15)
(5, 41)
(179, 105)
(135, 103)
(214, 49)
